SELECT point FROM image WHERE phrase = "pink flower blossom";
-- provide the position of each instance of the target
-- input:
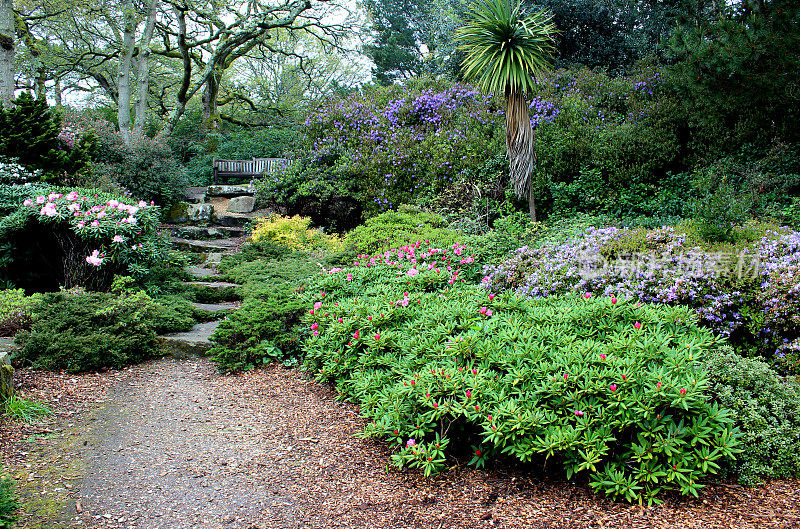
(637, 325)
(658, 385)
(314, 326)
(349, 277)
(613, 387)
(95, 258)
(317, 305)
(469, 394)
(579, 413)
(683, 391)
(613, 301)
(412, 272)
(587, 295)
(118, 238)
(411, 442)
(602, 356)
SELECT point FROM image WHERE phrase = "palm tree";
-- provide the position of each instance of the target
(505, 50)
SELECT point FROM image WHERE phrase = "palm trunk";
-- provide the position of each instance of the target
(7, 33)
(519, 142)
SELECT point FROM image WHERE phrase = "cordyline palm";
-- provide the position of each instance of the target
(505, 51)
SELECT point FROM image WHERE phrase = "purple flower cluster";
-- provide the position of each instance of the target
(409, 141)
(658, 266)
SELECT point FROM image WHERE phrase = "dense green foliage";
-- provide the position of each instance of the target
(16, 310)
(767, 411)
(8, 501)
(89, 331)
(31, 132)
(393, 229)
(612, 390)
(266, 326)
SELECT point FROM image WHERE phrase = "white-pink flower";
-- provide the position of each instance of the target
(412, 272)
(95, 258)
(118, 238)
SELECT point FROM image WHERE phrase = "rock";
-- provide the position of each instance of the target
(216, 245)
(195, 195)
(6, 377)
(230, 191)
(191, 343)
(184, 212)
(241, 204)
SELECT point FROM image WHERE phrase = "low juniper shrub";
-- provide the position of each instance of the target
(9, 503)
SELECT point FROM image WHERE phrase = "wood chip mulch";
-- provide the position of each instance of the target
(173, 444)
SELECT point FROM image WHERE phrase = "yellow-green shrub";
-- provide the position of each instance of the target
(296, 233)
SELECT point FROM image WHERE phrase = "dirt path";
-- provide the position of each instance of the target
(173, 444)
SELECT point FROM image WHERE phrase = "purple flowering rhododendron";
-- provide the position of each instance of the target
(762, 277)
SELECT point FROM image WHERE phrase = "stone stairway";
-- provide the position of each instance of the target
(211, 222)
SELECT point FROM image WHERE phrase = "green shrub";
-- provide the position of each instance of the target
(767, 412)
(146, 168)
(610, 390)
(263, 329)
(393, 229)
(31, 132)
(9, 503)
(15, 311)
(266, 325)
(85, 332)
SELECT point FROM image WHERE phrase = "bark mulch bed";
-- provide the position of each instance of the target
(173, 444)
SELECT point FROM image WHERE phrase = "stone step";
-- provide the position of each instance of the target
(213, 285)
(230, 190)
(195, 342)
(201, 272)
(199, 233)
(217, 307)
(218, 245)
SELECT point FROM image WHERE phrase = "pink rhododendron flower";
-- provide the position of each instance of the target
(587, 295)
(41, 199)
(637, 325)
(412, 272)
(314, 326)
(27, 202)
(683, 391)
(118, 238)
(602, 356)
(411, 442)
(317, 305)
(658, 385)
(469, 394)
(349, 277)
(95, 258)
(613, 387)
(613, 300)
(579, 413)
(95, 223)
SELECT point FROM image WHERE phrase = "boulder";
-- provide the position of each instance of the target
(6, 377)
(184, 212)
(241, 204)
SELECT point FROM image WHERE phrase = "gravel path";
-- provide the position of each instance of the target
(173, 444)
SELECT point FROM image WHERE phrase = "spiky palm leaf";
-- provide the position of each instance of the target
(505, 51)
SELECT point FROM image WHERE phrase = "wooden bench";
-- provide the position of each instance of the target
(246, 170)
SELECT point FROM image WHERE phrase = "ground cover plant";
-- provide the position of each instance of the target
(266, 327)
(83, 331)
(609, 389)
